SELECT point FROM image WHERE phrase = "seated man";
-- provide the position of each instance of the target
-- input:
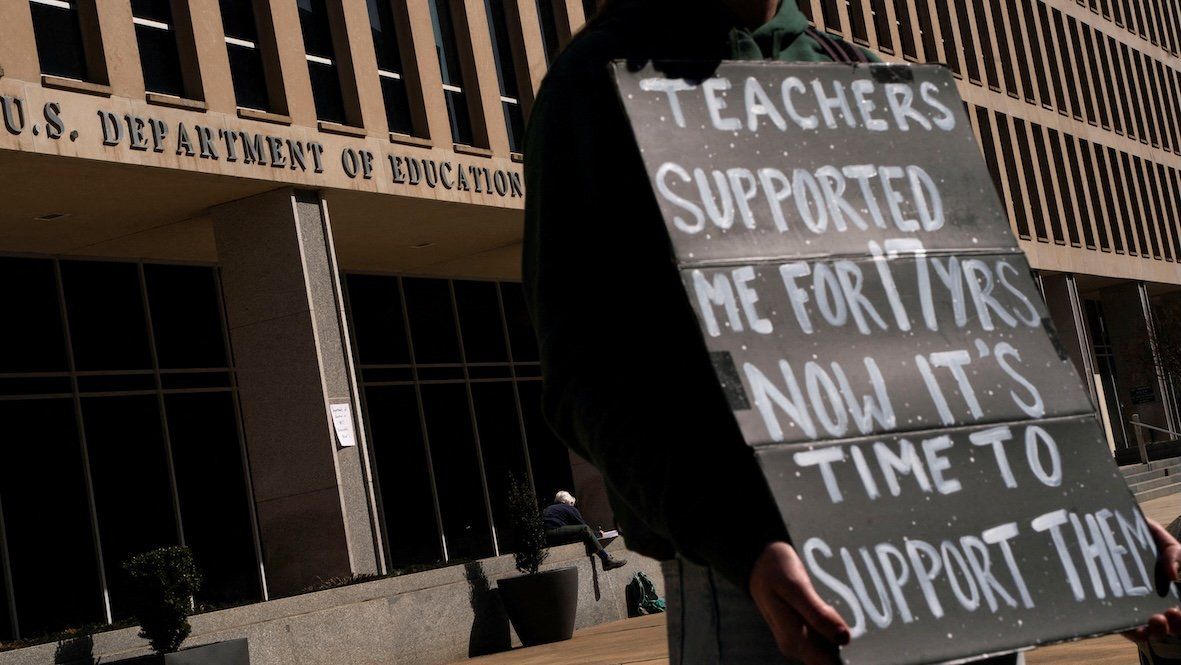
(564, 524)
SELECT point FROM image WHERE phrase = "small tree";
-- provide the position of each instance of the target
(162, 583)
(527, 525)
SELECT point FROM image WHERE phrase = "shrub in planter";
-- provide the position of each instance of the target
(162, 584)
(541, 606)
(527, 526)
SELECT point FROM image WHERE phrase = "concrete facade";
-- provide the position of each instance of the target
(431, 618)
(1076, 107)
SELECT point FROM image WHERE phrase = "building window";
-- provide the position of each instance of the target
(452, 72)
(589, 9)
(315, 25)
(120, 372)
(548, 19)
(506, 70)
(881, 24)
(155, 32)
(389, 67)
(58, 32)
(246, 63)
(452, 395)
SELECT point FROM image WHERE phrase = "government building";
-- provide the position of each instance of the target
(259, 261)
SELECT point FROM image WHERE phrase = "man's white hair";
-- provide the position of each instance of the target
(564, 497)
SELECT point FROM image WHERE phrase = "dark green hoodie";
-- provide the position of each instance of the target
(628, 384)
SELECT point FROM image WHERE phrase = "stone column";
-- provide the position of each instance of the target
(1066, 312)
(313, 494)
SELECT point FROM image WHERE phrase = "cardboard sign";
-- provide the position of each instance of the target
(885, 351)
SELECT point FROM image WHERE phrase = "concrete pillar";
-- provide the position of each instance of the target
(313, 494)
(591, 492)
(1066, 312)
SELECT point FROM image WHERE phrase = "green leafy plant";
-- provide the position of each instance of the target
(162, 583)
(527, 526)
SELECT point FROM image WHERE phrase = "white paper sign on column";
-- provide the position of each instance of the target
(342, 421)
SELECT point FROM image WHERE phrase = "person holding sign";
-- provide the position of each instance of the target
(629, 383)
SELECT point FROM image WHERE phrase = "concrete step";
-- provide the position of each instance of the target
(1167, 490)
(1151, 466)
(1155, 483)
(1154, 473)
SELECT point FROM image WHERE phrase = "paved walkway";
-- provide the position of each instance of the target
(641, 641)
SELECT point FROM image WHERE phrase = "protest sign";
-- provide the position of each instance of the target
(888, 356)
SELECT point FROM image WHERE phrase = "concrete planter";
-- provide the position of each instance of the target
(230, 652)
(542, 607)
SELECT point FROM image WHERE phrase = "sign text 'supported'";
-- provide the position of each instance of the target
(887, 354)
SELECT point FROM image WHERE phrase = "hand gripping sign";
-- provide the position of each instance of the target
(886, 354)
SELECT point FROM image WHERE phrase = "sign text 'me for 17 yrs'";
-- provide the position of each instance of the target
(887, 355)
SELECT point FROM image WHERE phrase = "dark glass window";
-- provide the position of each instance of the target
(211, 485)
(589, 9)
(927, 32)
(1108, 188)
(1018, 58)
(452, 72)
(475, 406)
(58, 33)
(1097, 75)
(404, 474)
(857, 25)
(131, 486)
(246, 65)
(155, 32)
(1079, 185)
(1163, 215)
(457, 470)
(881, 24)
(1051, 197)
(506, 70)
(1039, 54)
(905, 29)
(37, 344)
(832, 18)
(47, 518)
(186, 321)
(1091, 177)
(547, 455)
(321, 57)
(520, 329)
(1010, 60)
(1066, 196)
(432, 321)
(1122, 192)
(969, 43)
(1052, 57)
(1027, 172)
(378, 327)
(1170, 108)
(57, 579)
(502, 448)
(1064, 54)
(549, 29)
(988, 147)
(1173, 205)
(480, 322)
(991, 70)
(106, 315)
(389, 66)
(1011, 169)
(947, 30)
(1137, 109)
(1149, 219)
(1110, 79)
